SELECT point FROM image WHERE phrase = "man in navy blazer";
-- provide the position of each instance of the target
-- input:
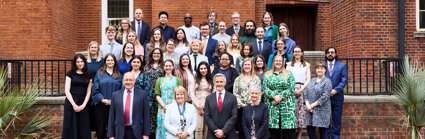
(337, 72)
(209, 48)
(141, 28)
(129, 112)
(220, 119)
(260, 46)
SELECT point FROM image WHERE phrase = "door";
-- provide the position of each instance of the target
(300, 20)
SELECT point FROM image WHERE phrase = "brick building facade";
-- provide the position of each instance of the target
(38, 29)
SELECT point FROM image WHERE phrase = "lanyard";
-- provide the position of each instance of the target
(184, 107)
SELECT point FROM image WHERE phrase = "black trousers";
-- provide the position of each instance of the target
(239, 124)
(282, 133)
(128, 133)
(101, 112)
(311, 130)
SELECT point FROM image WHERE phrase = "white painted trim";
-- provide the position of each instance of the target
(417, 18)
(104, 15)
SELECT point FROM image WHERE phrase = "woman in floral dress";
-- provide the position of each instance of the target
(154, 70)
(164, 93)
(278, 87)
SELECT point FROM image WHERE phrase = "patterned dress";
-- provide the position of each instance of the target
(143, 82)
(319, 92)
(165, 89)
(241, 89)
(154, 74)
(299, 72)
(280, 84)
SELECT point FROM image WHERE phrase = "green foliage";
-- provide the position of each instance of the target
(410, 95)
(15, 102)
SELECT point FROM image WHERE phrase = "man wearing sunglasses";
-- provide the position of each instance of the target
(191, 32)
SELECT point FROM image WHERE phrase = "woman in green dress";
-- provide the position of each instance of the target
(164, 92)
(279, 87)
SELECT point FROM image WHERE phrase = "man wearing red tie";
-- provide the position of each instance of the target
(129, 112)
(220, 111)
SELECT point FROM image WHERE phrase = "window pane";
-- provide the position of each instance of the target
(422, 20)
(118, 8)
(422, 4)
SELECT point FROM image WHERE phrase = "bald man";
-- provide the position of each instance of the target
(129, 115)
(192, 32)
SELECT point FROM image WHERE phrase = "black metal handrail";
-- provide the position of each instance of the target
(47, 75)
(371, 76)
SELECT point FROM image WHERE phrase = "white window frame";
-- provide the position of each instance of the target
(417, 18)
(105, 19)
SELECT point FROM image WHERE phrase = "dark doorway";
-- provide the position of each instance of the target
(300, 20)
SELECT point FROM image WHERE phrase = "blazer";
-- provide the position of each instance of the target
(172, 120)
(215, 29)
(261, 120)
(231, 79)
(338, 79)
(210, 48)
(145, 35)
(224, 120)
(141, 115)
(267, 49)
(230, 31)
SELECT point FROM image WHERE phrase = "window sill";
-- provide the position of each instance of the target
(419, 34)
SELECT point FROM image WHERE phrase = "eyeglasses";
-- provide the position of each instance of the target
(187, 17)
(225, 59)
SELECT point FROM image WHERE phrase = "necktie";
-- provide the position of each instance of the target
(139, 30)
(111, 49)
(330, 69)
(194, 57)
(260, 47)
(204, 49)
(127, 109)
(236, 31)
(220, 102)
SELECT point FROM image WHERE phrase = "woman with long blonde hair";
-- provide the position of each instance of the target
(123, 30)
(235, 47)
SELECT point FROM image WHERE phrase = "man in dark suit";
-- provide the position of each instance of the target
(337, 72)
(129, 113)
(212, 16)
(220, 111)
(142, 28)
(260, 46)
(236, 18)
(208, 42)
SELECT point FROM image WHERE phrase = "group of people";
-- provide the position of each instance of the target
(206, 82)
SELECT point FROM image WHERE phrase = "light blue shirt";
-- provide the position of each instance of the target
(131, 102)
(116, 50)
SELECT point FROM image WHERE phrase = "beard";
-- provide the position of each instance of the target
(249, 32)
(330, 58)
(188, 24)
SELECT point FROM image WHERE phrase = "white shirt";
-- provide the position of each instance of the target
(131, 102)
(226, 38)
(298, 71)
(222, 95)
(191, 33)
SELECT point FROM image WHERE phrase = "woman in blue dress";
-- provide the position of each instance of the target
(164, 92)
(142, 79)
(127, 55)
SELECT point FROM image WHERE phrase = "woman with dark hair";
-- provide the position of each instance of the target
(219, 49)
(164, 92)
(76, 116)
(246, 52)
(260, 67)
(278, 87)
(142, 79)
(185, 72)
(270, 30)
(301, 70)
(127, 55)
(318, 103)
(201, 88)
(154, 70)
(157, 40)
(107, 80)
(284, 35)
(280, 47)
(181, 43)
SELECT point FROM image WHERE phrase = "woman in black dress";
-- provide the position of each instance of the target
(76, 117)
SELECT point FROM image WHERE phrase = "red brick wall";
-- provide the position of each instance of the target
(415, 47)
(63, 24)
(88, 23)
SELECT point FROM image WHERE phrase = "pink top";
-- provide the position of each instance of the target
(139, 51)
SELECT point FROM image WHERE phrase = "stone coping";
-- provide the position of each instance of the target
(347, 99)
